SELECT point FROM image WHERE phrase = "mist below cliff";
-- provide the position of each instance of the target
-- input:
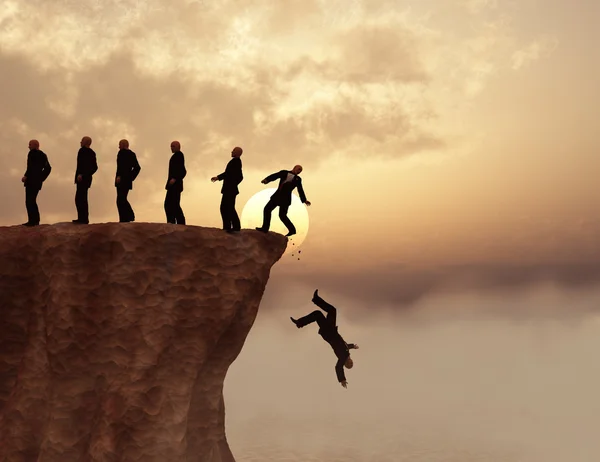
(500, 378)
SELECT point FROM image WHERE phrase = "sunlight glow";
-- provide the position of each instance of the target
(252, 217)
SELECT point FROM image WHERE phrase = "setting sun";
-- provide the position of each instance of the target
(252, 217)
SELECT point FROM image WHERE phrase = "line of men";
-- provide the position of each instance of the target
(128, 169)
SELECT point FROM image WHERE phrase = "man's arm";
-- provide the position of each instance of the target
(179, 171)
(301, 191)
(93, 163)
(26, 174)
(136, 168)
(339, 370)
(46, 169)
(118, 171)
(236, 171)
(351, 346)
(89, 164)
(273, 177)
(231, 171)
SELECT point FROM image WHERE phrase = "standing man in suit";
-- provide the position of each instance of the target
(38, 169)
(231, 177)
(328, 330)
(128, 169)
(282, 198)
(86, 167)
(174, 186)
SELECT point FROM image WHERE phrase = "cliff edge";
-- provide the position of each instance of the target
(115, 339)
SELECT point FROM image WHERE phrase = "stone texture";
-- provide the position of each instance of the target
(115, 339)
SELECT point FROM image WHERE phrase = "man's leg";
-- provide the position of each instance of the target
(179, 216)
(267, 214)
(315, 316)
(169, 205)
(123, 205)
(228, 207)
(81, 202)
(130, 213)
(283, 210)
(235, 219)
(33, 213)
(120, 204)
(329, 309)
(225, 213)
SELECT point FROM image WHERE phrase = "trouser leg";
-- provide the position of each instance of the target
(33, 212)
(329, 309)
(283, 210)
(267, 214)
(315, 316)
(81, 203)
(124, 207)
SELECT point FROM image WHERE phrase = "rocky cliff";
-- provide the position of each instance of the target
(115, 339)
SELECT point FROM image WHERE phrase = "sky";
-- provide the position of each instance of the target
(456, 132)
(449, 151)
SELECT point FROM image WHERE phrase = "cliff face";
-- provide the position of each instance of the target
(115, 339)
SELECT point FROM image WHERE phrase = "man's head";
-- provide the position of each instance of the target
(86, 142)
(123, 144)
(34, 144)
(297, 170)
(349, 363)
(175, 146)
(237, 152)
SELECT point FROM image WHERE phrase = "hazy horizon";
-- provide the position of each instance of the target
(460, 378)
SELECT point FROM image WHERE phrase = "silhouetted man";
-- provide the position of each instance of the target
(128, 169)
(174, 186)
(231, 177)
(329, 331)
(38, 169)
(282, 198)
(86, 167)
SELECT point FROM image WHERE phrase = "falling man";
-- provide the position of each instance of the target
(329, 331)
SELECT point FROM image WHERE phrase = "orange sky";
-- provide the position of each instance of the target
(430, 132)
(449, 146)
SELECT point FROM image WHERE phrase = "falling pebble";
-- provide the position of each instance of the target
(293, 243)
(292, 255)
(298, 259)
(299, 251)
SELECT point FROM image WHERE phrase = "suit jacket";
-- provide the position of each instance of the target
(38, 169)
(232, 177)
(341, 349)
(283, 195)
(177, 171)
(128, 168)
(86, 166)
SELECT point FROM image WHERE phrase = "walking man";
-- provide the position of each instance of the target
(86, 167)
(231, 177)
(128, 169)
(38, 169)
(174, 186)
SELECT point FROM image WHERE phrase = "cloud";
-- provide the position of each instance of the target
(298, 80)
(537, 49)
